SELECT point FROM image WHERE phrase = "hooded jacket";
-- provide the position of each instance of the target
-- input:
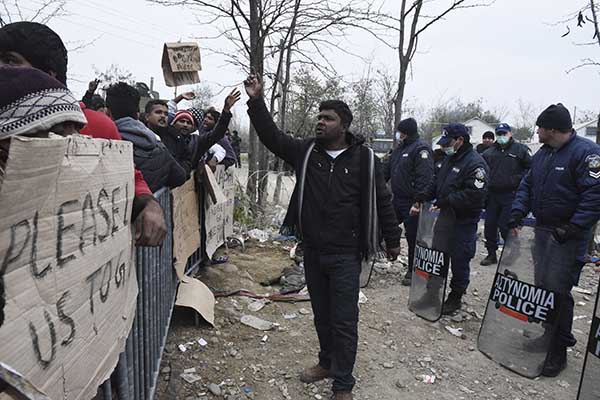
(151, 157)
(333, 218)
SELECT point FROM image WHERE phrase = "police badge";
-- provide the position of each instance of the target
(479, 178)
(593, 164)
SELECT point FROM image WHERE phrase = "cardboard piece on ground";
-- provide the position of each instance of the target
(194, 294)
(181, 63)
(186, 225)
(67, 261)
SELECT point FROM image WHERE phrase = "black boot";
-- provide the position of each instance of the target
(407, 278)
(490, 259)
(453, 302)
(555, 362)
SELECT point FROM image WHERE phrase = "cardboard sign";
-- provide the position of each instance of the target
(66, 262)
(181, 63)
(219, 216)
(186, 225)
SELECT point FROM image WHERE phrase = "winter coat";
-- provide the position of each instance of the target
(563, 185)
(151, 157)
(333, 218)
(410, 168)
(508, 165)
(461, 180)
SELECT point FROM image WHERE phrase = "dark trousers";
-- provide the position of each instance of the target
(559, 274)
(333, 285)
(411, 223)
(463, 250)
(497, 214)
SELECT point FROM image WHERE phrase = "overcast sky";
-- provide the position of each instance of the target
(502, 53)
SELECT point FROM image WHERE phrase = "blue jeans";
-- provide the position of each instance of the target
(333, 285)
(463, 251)
(411, 223)
(497, 214)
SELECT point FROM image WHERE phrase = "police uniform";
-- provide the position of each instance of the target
(410, 171)
(562, 189)
(508, 164)
(461, 185)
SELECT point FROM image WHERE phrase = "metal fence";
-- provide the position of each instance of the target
(136, 374)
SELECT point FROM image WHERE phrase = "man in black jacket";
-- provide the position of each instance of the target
(410, 169)
(329, 210)
(509, 162)
(460, 186)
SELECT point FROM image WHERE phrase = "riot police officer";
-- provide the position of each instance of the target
(460, 185)
(410, 169)
(562, 189)
(508, 162)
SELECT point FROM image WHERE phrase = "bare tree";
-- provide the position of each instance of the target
(411, 23)
(259, 31)
(386, 92)
(12, 11)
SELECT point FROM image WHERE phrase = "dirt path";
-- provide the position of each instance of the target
(395, 347)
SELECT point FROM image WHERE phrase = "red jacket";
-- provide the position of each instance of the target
(99, 126)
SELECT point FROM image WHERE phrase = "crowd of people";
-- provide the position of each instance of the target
(341, 206)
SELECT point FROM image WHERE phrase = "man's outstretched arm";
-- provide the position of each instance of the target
(280, 144)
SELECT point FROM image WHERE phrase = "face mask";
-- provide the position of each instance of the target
(502, 139)
(449, 151)
(397, 136)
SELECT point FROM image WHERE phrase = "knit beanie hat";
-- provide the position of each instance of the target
(33, 101)
(38, 44)
(183, 114)
(556, 116)
(198, 115)
(408, 126)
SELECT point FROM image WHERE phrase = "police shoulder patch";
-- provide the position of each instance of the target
(593, 165)
(480, 174)
(424, 154)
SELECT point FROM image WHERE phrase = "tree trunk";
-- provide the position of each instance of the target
(400, 94)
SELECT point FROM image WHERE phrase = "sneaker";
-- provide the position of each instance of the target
(489, 260)
(407, 279)
(314, 374)
(453, 302)
(342, 396)
(555, 362)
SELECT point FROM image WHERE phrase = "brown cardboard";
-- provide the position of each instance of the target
(194, 294)
(186, 225)
(181, 63)
(66, 259)
(218, 220)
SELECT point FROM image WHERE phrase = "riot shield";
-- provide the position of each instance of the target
(589, 385)
(525, 301)
(431, 262)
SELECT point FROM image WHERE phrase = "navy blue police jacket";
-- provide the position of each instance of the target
(461, 181)
(563, 185)
(410, 169)
(508, 165)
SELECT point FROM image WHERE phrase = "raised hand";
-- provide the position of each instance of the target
(189, 95)
(93, 85)
(230, 100)
(253, 86)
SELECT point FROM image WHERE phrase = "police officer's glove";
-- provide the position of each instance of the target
(516, 219)
(566, 232)
(442, 203)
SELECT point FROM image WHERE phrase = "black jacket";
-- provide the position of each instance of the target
(178, 145)
(410, 168)
(508, 165)
(481, 148)
(461, 183)
(334, 213)
(151, 157)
